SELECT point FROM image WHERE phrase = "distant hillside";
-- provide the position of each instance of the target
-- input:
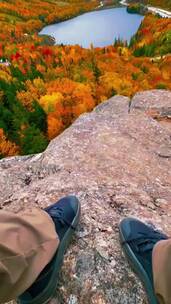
(165, 4)
(153, 37)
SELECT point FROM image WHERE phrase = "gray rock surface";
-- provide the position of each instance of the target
(155, 103)
(118, 163)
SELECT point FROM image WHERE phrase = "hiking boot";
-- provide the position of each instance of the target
(138, 241)
(65, 214)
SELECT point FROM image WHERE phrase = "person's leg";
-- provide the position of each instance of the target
(27, 244)
(32, 247)
(161, 260)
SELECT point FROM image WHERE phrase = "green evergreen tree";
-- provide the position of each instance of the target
(33, 141)
(38, 117)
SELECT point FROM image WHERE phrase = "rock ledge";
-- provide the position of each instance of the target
(117, 160)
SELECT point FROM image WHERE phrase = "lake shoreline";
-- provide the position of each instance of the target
(108, 7)
(154, 10)
(104, 7)
(78, 30)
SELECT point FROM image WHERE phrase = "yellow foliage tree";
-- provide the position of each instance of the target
(51, 102)
(4, 75)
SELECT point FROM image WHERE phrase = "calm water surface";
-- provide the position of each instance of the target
(99, 28)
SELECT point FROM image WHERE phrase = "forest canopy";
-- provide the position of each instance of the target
(45, 87)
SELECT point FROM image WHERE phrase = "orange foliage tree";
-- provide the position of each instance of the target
(45, 87)
(7, 148)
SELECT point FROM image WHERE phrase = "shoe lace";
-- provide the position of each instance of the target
(145, 242)
(58, 214)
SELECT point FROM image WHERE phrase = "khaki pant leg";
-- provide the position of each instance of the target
(162, 271)
(27, 244)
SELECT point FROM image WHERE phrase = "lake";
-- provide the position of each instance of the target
(99, 28)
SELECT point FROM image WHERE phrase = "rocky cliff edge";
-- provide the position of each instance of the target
(117, 160)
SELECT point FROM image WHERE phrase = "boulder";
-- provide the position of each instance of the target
(117, 161)
(155, 103)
